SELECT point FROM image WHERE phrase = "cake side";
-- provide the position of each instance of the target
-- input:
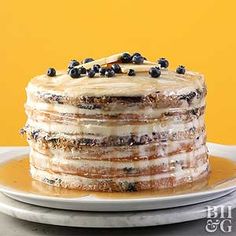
(108, 134)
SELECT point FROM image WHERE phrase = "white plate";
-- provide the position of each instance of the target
(111, 219)
(92, 203)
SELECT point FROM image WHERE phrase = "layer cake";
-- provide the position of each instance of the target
(120, 133)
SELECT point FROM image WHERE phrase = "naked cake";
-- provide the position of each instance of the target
(119, 123)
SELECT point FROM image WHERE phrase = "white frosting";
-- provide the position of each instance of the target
(104, 130)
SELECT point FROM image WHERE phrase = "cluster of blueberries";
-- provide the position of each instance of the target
(136, 58)
(76, 72)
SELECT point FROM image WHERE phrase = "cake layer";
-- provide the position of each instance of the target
(128, 184)
(109, 168)
(121, 153)
(194, 186)
(170, 90)
(118, 104)
(58, 140)
(73, 113)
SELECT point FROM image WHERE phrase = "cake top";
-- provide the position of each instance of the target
(117, 75)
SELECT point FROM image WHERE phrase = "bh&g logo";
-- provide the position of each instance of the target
(219, 218)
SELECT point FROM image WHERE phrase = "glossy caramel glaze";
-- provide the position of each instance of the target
(15, 174)
(140, 85)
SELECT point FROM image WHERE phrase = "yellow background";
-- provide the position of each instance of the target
(199, 34)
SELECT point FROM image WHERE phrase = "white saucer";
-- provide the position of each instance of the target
(92, 203)
(110, 219)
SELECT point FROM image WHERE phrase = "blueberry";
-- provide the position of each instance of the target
(73, 63)
(91, 73)
(82, 70)
(155, 72)
(51, 72)
(102, 71)
(86, 60)
(74, 73)
(109, 73)
(116, 68)
(136, 54)
(137, 59)
(96, 68)
(180, 70)
(131, 72)
(163, 62)
(126, 58)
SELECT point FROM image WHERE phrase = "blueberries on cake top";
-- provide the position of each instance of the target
(112, 65)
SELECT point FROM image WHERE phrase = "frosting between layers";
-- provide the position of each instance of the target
(103, 130)
(66, 108)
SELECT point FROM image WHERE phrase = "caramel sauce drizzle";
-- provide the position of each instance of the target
(15, 174)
